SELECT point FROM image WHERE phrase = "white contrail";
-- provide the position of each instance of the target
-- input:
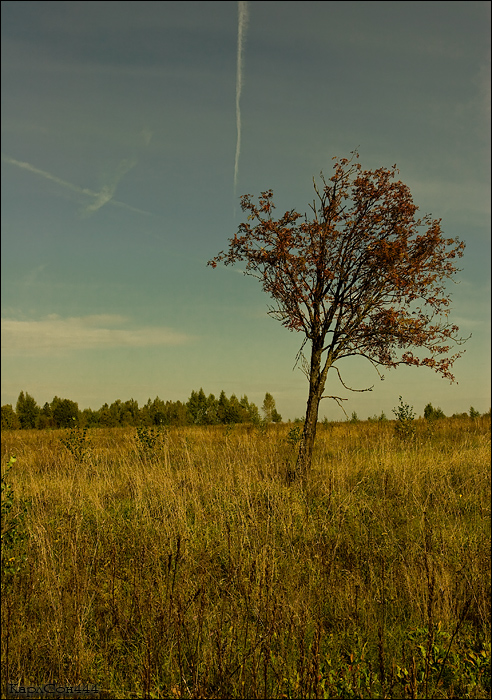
(107, 192)
(48, 176)
(242, 8)
(104, 196)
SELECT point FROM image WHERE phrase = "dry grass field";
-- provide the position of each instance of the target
(180, 564)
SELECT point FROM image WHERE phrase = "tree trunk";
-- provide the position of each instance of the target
(305, 456)
(316, 386)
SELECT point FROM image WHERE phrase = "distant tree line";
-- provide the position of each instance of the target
(198, 410)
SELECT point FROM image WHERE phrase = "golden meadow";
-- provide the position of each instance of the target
(179, 564)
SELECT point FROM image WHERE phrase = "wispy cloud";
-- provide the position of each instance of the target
(465, 202)
(99, 199)
(146, 135)
(54, 334)
(481, 103)
(241, 33)
(467, 323)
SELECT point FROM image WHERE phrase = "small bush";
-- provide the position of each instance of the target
(77, 443)
(13, 532)
(148, 438)
(405, 415)
(431, 413)
(378, 419)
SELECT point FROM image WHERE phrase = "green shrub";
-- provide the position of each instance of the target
(13, 532)
(9, 418)
(431, 413)
(405, 415)
(77, 443)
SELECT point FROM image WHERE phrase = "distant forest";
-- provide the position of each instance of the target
(198, 410)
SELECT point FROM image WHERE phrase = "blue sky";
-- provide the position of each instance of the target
(118, 161)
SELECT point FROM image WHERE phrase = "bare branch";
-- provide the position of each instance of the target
(299, 355)
(337, 399)
(347, 387)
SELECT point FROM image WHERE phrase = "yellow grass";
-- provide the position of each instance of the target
(191, 569)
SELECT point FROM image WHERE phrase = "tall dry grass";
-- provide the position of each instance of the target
(187, 567)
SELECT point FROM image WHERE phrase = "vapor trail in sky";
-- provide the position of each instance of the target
(242, 8)
(104, 196)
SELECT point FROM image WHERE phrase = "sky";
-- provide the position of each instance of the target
(129, 132)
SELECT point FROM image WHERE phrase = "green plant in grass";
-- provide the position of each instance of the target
(13, 529)
(148, 440)
(445, 663)
(77, 443)
(405, 427)
(294, 436)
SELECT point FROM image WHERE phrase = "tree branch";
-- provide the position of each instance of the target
(347, 387)
(337, 399)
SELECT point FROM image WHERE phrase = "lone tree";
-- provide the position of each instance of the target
(361, 276)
